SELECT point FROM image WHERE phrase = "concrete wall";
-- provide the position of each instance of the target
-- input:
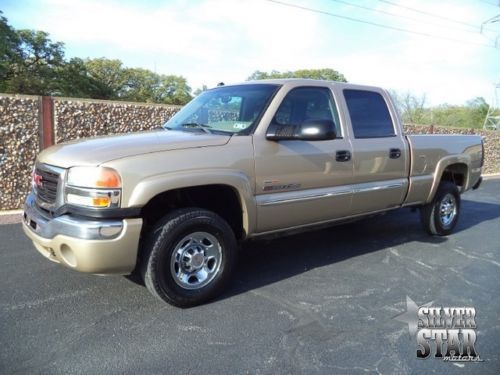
(23, 133)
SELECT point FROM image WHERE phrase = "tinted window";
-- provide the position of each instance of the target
(307, 103)
(228, 109)
(370, 117)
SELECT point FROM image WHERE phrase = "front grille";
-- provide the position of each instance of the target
(46, 186)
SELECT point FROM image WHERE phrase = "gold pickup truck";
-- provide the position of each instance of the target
(239, 162)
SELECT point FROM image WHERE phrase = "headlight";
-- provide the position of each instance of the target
(94, 177)
(96, 187)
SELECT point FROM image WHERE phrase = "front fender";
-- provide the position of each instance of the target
(150, 187)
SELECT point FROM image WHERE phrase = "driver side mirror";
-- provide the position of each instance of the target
(309, 130)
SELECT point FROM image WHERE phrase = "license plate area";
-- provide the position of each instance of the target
(30, 222)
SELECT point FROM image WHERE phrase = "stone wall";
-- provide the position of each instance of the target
(79, 118)
(20, 133)
(19, 146)
(491, 141)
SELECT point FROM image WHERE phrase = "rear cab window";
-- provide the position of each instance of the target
(370, 117)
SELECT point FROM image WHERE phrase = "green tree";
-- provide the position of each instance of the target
(146, 86)
(470, 115)
(199, 90)
(321, 74)
(412, 110)
(30, 63)
(33, 69)
(110, 74)
(411, 107)
(176, 89)
(141, 85)
(477, 111)
(74, 80)
(9, 42)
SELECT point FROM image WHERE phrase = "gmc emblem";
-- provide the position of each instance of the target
(37, 180)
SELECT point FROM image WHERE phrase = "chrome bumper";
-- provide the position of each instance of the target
(69, 225)
(93, 246)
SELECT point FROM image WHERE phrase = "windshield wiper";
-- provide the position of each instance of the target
(196, 125)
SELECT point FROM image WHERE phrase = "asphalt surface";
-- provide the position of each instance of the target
(319, 302)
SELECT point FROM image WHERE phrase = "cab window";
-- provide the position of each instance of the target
(308, 103)
(370, 117)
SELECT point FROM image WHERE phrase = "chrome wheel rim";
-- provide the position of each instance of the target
(447, 209)
(196, 260)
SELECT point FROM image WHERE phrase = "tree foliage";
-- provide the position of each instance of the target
(199, 90)
(8, 44)
(470, 115)
(412, 110)
(31, 63)
(74, 80)
(146, 86)
(411, 107)
(321, 74)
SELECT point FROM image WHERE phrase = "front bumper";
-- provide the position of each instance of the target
(92, 246)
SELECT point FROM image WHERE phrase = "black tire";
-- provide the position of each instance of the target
(438, 221)
(159, 267)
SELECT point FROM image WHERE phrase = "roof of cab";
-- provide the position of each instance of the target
(305, 82)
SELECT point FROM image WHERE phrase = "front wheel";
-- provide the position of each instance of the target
(441, 215)
(189, 256)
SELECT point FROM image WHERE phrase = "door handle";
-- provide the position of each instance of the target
(343, 155)
(394, 153)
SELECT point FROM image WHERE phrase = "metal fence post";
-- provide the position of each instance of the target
(47, 122)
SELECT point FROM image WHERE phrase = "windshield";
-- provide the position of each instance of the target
(231, 109)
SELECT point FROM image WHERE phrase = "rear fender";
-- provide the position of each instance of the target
(440, 169)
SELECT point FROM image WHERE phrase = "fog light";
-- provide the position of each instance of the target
(68, 255)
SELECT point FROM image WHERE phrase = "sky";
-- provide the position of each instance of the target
(211, 41)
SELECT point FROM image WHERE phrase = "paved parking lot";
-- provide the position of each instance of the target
(320, 302)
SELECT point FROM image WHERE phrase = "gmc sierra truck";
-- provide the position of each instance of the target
(239, 162)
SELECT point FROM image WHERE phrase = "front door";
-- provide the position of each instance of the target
(303, 182)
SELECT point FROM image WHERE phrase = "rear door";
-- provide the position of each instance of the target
(380, 152)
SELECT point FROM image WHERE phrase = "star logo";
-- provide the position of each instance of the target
(410, 316)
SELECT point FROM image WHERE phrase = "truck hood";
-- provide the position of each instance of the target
(99, 150)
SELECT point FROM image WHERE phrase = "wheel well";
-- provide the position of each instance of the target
(221, 199)
(456, 173)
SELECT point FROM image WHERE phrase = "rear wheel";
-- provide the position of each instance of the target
(441, 215)
(189, 257)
